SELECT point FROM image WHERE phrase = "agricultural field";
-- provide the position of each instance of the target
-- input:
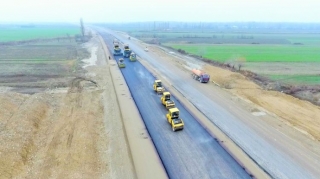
(34, 67)
(253, 53)
(18, 33)
(292, 64)
(287, 57)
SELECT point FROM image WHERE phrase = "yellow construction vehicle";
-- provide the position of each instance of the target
(133, 57)
(126, 51)
(157, 86)
(121, 63)
(166, 100)
(117, 50)
(174, 120)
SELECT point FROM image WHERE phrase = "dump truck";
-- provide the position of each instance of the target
(121, 63)
(200, 76)
(126, 51)
(117, 50)
(166, 100)
(133, 57)
(157, 86)
(174, 119)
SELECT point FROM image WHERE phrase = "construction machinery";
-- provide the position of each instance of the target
(200, 76)
(166, 100)
(117, 50)
(133, 57)
(121, 63)
(174, 119)
(126, 51)
(157, 86)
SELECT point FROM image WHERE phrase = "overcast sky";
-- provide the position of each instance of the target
(159, 10)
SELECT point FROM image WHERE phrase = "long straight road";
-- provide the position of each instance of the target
(190, 153)
(281, 159)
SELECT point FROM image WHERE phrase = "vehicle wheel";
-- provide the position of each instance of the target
(173, 129)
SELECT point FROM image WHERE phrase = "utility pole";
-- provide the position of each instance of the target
(82, 27)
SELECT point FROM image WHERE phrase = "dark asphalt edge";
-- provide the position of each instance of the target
(146, 174)
(252, 174)
(143, 120)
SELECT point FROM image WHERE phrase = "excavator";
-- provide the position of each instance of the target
(174, 119)
(157, 86)
(166, 100)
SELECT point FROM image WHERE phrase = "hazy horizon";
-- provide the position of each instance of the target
(122, 11)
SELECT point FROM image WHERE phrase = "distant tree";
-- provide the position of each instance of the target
(68, 36)
(201, 52)
(240, 62)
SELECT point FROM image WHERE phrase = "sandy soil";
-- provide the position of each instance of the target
(301, 114)
(74, 132)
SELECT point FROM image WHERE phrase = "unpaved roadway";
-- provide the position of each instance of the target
(281, 149)
(74, 132)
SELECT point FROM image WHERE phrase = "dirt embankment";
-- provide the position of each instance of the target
(72, 132)
(301, 114)
(52, 135)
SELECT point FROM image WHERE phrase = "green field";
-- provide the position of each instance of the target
(297, 79)
(253, 53)
(297, 58)
(229, 38)
(296, 52)
(37, 66)
(8, 33)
